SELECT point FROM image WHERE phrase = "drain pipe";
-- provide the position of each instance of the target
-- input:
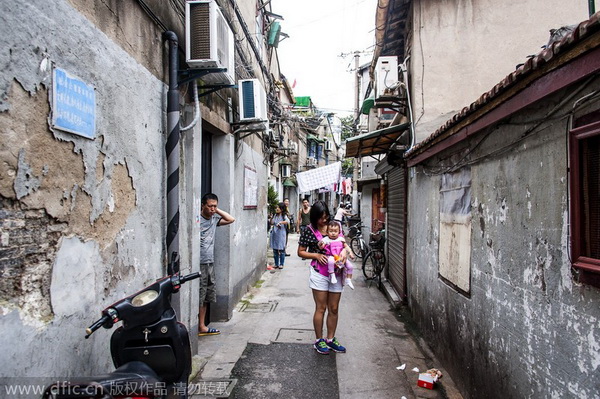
(172, 152)
(404, 69)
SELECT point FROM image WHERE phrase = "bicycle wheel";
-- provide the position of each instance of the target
(355, 246)
(379, 263)
(369, 266)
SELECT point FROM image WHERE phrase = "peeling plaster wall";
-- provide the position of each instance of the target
(527, 329)
(82, 220)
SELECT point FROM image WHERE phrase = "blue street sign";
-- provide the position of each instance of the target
(74, 105)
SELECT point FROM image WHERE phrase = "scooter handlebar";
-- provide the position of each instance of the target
(111, 314)
(189, 277)
(99, 323)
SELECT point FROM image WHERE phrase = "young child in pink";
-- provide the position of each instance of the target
(333, 244)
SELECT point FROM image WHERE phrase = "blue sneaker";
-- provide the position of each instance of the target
(335, 346)
(321, 347)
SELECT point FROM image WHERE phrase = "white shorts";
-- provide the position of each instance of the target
(318, 282)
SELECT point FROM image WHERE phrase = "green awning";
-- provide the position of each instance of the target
(315, 138)
(289, 183)
(367, 105)
(303, 101)
(378, 141)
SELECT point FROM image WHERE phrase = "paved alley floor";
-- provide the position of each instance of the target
(265, 350)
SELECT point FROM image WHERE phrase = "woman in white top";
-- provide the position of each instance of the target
(341, 212)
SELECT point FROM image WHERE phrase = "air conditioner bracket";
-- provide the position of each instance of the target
(187, 75)
(249, 128)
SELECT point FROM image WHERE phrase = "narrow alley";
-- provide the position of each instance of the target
(459, 140)
(265, 350)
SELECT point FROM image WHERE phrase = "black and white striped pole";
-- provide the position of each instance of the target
(172, 152)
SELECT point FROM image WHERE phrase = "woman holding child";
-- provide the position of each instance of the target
(326, 293)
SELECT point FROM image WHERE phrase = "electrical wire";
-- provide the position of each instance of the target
(196, 109)
(244, 45)
(422, 64)
(179, 7)
(152, 16)
(528, 132)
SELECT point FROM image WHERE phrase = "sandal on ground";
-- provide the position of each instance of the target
(211, 331)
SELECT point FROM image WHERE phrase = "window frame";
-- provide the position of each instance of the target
(312, 149)
(588, 268)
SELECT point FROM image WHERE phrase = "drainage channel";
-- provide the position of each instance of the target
(295, 336)
(258, 307)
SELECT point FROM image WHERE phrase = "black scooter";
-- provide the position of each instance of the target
(151, 350)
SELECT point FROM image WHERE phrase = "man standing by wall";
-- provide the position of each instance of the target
(304, 215)
(211, 218)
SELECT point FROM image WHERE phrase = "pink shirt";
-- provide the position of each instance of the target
(333, 247)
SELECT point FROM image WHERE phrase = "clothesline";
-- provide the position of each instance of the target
(326, 178)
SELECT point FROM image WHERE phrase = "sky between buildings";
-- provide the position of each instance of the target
(318, 55)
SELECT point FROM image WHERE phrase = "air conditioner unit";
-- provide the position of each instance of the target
(311, 161)
(386, 74)
(252, 99)
(274, 140)
(209, 41)
(328, 145)
(286, 170)
(293, 147)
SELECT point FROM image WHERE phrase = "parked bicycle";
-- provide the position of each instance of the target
(374, 260)
(357, 243)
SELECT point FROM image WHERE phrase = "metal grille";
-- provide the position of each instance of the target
(200, 31)
(396, 229)
(258, 307)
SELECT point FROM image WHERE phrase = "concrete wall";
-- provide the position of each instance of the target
(366, 207)
(241, 248)
(190, 196)
(462, 48)
(82, 220)
(367, 169)
(526, 328)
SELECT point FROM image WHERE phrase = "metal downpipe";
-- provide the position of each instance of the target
(172, 152)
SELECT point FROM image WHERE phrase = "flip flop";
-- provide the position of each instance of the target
(211, 331)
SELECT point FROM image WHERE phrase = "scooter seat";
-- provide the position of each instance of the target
(131, 379)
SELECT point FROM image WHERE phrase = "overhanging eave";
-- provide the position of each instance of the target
(378, 141)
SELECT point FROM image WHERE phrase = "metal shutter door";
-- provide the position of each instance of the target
(396, 229)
